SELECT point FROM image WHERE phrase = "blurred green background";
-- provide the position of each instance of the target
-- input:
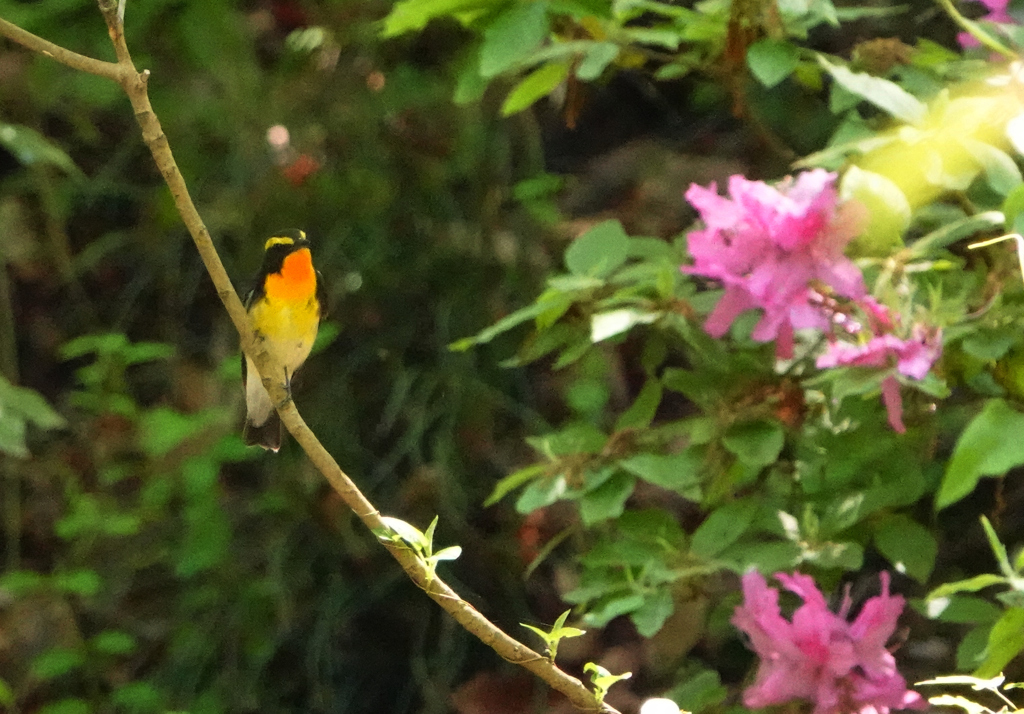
(151, 563)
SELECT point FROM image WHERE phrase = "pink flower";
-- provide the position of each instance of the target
(768, 245)
(912, 358)
(842, 667)
(997, 13)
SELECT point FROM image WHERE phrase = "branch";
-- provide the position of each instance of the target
(74, 60)
(134, 84)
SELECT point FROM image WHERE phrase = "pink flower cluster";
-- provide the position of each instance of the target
(913, 358)
(768, 246)
(780, 250)
(842, 667)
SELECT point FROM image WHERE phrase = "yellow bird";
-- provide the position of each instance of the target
(285, 308)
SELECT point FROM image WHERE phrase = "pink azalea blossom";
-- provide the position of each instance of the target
(768, 246)
(997, 13)
(841, 667)
(912, 358)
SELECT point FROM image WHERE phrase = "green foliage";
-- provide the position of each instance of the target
(986, 448)
(422, 542)
(771, 61)
(1000, 632)
(557, 633)
(20, 407)
(602, 679)
(67, 706)
(908, 545)
(31, 148)
(665, 462)
(56, 663)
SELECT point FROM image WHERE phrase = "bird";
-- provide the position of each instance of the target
(285, 308)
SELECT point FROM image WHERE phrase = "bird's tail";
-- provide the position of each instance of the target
(267, 434)
(262, 423)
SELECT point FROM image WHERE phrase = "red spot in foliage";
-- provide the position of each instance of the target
(301, 169)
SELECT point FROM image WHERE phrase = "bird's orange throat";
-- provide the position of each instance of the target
(296, 280)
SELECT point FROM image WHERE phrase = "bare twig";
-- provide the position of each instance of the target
(64, 56)
(134, 84)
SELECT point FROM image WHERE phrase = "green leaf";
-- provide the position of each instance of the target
(101, 344)
(979, 582)
(990, 345)
(7, 698)
(599, 55)
(962, 609)
(30, 147)
(542, 492)
(971, 585)
(888, 208)
(452, 552)
(543, 185)
(971, 651)
(206, 539)
(676, 472)
(699, 692)
(538, 83)
(609, 610)
(989, 446)
(113, 642)
(756, 443)
(771, 61)
(599, 251)
(767, 557)
(514, 481)
(641, 412)
(722, 528)
(602, 679)
(56, 663)
(650, 616)
(22, 582)
(1002, 557)
(1005, 641)
(512, 37)
(410, 15)
(849, 556)
(1013, 205)
(82, 582)
(607, 500)
(140, 698)
(950, 233)
(67, 706)
(12, 435)
(577, 438)
(667, 38)
(887, 96)
(142, 352)
(1001, 172)
(406, 531)
(470, 86)
(503, 325)
(908, 545)
(162, 429)
(29, 405)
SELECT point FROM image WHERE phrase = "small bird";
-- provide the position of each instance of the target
(285, 308)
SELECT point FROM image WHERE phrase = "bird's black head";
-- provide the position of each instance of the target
(279, 246)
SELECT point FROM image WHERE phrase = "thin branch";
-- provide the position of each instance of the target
(134, 84)
(976, 30)
(74, 60)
